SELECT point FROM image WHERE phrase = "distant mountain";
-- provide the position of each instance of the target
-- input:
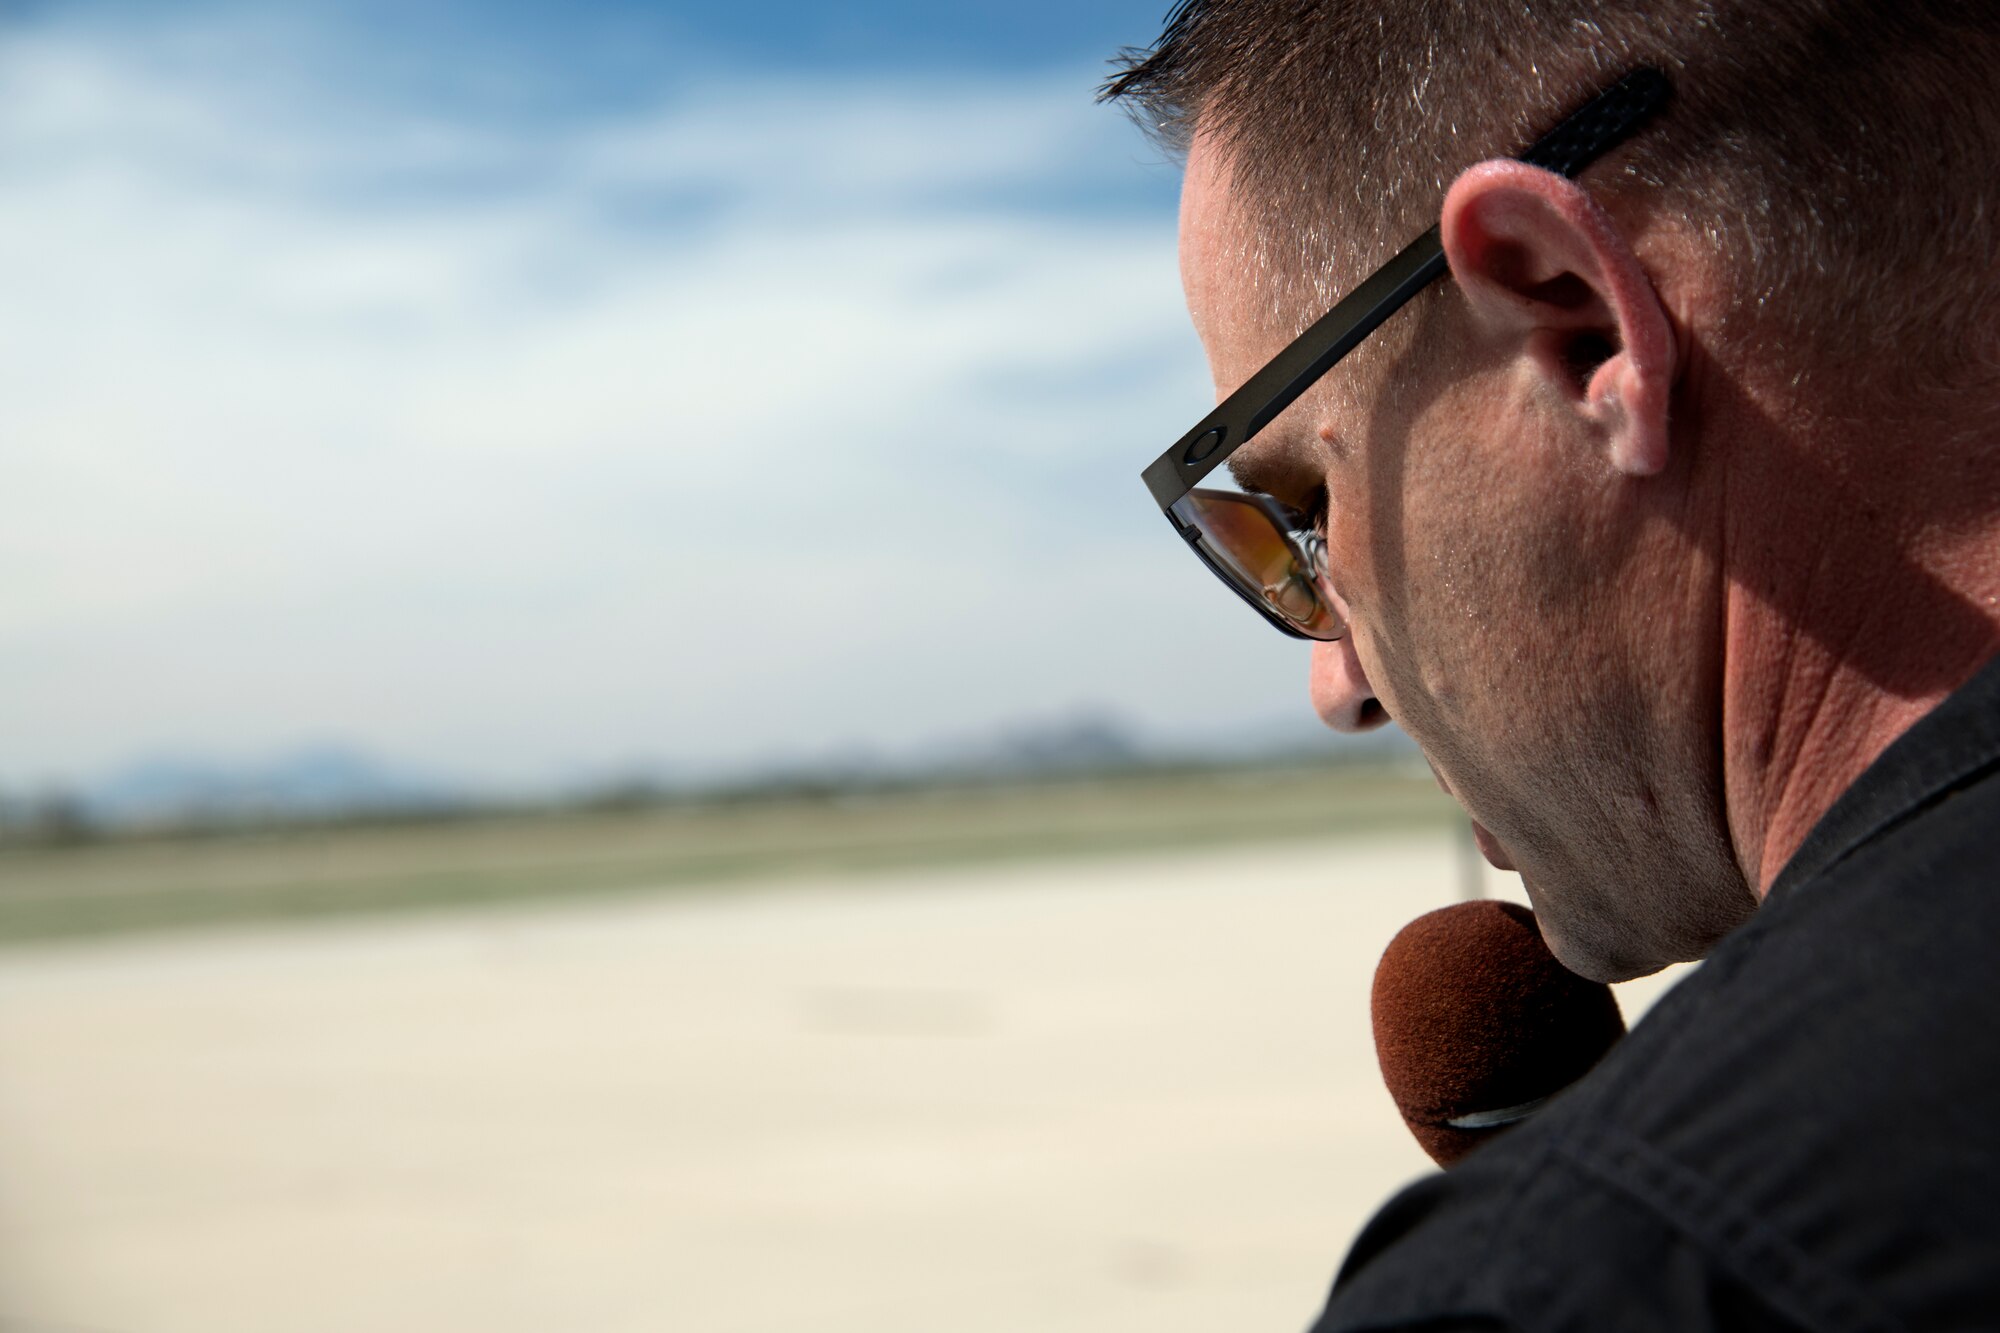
(311, 782)
(1077, 744)
(331, 781)
(1099, 741)
(1298, 736)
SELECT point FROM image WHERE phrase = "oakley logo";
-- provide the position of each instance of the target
(1205, 445)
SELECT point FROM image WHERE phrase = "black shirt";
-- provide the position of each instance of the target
(1803, 1134)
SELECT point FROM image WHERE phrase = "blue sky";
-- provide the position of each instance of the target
(527, 391)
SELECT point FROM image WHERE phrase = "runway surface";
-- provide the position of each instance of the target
(1120, 1093)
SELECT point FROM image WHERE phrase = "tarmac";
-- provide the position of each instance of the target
(1118, 1093)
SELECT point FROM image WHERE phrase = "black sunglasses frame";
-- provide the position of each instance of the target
(1601, 124)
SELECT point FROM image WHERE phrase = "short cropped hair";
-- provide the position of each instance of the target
(1841, 158)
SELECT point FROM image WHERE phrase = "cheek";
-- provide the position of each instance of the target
(1409, 594)
(1436, 542)
(1441, 622)
(1382, 640)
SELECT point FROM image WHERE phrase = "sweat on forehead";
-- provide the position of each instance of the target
(1249, 298)
(1227, 263)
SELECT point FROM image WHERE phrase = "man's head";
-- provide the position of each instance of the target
(1539, 480)
(1838, 153)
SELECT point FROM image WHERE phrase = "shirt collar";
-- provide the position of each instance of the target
(1948, 747)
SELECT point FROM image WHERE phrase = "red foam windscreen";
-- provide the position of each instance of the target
(1476, 1023)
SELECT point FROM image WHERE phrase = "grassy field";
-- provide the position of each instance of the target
(145, 883)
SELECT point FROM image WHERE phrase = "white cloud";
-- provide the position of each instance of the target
(769, 419)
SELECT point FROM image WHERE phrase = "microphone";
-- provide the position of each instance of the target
(1477, 1025)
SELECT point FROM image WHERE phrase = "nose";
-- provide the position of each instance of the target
(1341, 694)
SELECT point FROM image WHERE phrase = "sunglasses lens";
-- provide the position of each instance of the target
(1248, 547)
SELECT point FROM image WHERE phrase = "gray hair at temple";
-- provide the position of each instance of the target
(1839, 158)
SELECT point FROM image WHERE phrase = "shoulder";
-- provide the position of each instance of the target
(1797, 1137)
(1535, 1234)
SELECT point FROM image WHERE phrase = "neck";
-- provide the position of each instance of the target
(1849, 611)
(1787, 759)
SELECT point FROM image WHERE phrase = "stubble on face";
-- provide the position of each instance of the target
(1535, 622)
(1528, 621)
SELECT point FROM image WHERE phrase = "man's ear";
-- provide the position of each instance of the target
(1539, 260)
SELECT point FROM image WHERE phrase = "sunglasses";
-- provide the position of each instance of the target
(1270, 554)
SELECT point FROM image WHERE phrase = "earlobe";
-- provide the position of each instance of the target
(1542, 265)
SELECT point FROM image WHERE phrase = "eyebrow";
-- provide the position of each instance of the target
(1250, 473)
(1273, 471)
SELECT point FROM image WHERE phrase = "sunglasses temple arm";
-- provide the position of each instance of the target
(1587, 134)
(1279, 384)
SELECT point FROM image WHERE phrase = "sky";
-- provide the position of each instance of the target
(525, 392)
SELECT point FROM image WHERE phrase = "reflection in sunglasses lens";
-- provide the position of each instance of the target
(1251, 550)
